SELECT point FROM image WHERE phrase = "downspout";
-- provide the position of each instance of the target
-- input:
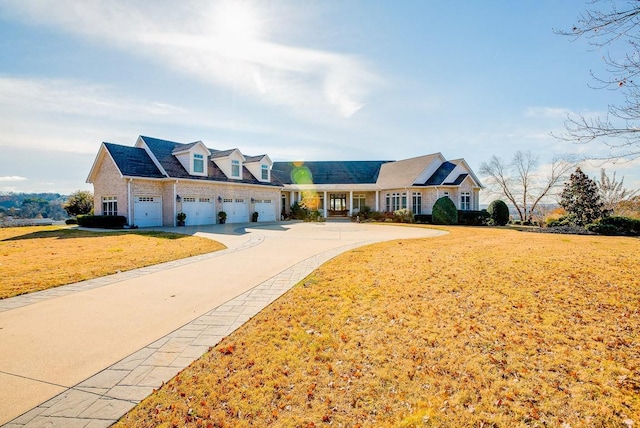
(129, 204)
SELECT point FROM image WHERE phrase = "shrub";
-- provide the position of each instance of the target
(71, 221)
(102, 221)
(403, 216)
(298, 212)
(444, 211)
(422, 218)
(498, 213)
(473, 218)
(616, 226)
(254, 216)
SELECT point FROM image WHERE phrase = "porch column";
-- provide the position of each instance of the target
(350, 202)
(377, 200)
(325, 202)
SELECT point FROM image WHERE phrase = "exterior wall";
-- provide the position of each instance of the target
(109, 182)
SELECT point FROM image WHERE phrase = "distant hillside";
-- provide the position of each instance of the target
(33, 205)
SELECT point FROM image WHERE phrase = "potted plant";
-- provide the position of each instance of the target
(254, 216)
(222, 216)
(181, 217)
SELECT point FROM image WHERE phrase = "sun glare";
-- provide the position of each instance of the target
(237, 21)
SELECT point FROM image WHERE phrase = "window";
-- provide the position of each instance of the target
(396, 201)
(227, 200)
(235, 168)
(465, 201)
(265, 172)
(188, 199)
(198, 163)
(109, 205)
(359, 202)
(416, 203)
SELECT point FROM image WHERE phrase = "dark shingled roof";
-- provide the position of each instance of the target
(163, 151)
(459, 180)
(440, 175)
(331, 172)
(133, 161)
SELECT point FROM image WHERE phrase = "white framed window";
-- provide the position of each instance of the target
(198, 163)
(188, 199)
(396, 201)
(265, 172)
(416, 202)
(359, 202)
(465, 201)
(446, 194)
(227, 200)
(240, 201)
(235, 168)
(109, 205)
(206, 200)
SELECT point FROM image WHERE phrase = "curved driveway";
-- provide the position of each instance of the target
(84, 354)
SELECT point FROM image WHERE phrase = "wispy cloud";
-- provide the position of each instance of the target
(547, 112)
(12, 178)
(306, 80)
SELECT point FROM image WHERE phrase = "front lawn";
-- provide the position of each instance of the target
(482, 327)
(37, 258)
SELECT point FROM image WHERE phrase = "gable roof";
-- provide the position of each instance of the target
(330, 172)
(164, 150)
(404, 173)
(133, 161)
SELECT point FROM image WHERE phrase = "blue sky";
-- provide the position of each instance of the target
(331, 80)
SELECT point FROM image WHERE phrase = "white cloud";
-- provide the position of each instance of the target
(186, 38)
(12, 178)
(547, 112)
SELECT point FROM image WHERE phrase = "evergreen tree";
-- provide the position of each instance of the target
(581, 199)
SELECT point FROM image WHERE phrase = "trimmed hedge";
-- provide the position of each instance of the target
(473, 218)
(498, 213)
(616, 226)
(444, 211)
(102, 221)
(422, 218)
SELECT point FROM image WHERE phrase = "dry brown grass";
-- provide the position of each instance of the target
(481, 328)
(37, 258)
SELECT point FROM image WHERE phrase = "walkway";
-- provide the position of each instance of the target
(82, 355)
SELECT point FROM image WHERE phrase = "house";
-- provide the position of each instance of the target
(344, 188)
(151, 182)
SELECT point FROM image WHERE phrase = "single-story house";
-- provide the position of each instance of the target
(153, 181)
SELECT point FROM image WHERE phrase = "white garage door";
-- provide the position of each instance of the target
(199, 210)
(237, 210)
(266, 209)
(147, 211)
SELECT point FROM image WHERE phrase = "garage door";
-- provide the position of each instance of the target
(199, 210)
(147, 211)
(266, 209)
(236, 209)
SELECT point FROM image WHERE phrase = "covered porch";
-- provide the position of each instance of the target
(332, 202)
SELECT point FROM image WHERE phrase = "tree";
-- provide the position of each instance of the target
(79, 202)
(612, 192)
(580, 198)
(498, 213)
(521, 183)
(620, 128)
(630, 207)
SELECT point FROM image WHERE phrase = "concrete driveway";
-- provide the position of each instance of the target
(84, 354)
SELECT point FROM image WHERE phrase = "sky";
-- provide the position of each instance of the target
(297, 80)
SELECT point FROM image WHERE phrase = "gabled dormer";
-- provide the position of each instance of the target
(193, 157)
(230, 162)
(260, 167)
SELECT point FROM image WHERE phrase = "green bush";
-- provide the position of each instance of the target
(102, 221)
(71, 221)
(444, 211)
(616, 226)
(473, 218)
(498, 213)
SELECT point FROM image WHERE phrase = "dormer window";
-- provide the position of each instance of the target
(265, 172)
(235, 168)
(198, 163)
